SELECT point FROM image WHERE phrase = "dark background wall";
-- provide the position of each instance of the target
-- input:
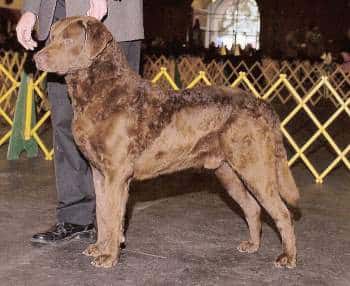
(279, 17)
(171, 19)
(168, 19)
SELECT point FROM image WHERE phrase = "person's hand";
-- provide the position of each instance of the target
(24, 30)
(98, 9)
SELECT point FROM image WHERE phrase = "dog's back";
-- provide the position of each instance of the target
(187, 130)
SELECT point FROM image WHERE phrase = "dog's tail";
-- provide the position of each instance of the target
(287, 186)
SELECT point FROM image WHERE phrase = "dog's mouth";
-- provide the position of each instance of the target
(41, 64)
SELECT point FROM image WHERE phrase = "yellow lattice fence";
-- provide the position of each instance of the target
(11, 66)
(302, 100)
(35, 89)
(12, 63)
(302, 84)
(262, 75)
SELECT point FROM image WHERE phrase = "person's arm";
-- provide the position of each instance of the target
(26, 24)
(98, 9)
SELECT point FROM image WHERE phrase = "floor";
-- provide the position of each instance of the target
(183, 231)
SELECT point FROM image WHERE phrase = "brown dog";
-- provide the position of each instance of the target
(129, 129)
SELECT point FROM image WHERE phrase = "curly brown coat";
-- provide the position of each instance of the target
(130, 129)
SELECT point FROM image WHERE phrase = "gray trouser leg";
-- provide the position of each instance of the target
(75, 192)
(74, 185)
(132, 51)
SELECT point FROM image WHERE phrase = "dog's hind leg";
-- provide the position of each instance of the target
(110, 211)
(263, 185)
(249, 148)
(250, 207)
(265, 190)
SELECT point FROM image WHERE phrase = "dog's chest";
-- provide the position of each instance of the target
(81, 130)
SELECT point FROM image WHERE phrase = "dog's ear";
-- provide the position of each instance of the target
(96, 38)
(55, 25)
(53, 28)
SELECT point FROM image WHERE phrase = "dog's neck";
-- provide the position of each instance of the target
(110, 65)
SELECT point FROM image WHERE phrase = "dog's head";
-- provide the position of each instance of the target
(74, 44)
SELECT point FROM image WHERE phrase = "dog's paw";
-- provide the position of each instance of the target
(105, 261)
(92, 250)
(247, 246)
(285, 261)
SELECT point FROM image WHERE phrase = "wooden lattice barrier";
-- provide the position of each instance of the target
(299, 85)
(323, 87)
(12, 63)
(35, 89)
(262, 75)
(11, 66)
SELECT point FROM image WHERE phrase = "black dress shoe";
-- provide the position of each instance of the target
(65, 231)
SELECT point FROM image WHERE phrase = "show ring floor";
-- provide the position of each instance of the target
(183, 231)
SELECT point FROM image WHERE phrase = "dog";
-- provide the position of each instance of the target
(129, 129)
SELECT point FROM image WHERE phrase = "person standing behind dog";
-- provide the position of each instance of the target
(74, 185)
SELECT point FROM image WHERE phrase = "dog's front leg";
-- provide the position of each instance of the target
(99, 184)
(110, 210)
